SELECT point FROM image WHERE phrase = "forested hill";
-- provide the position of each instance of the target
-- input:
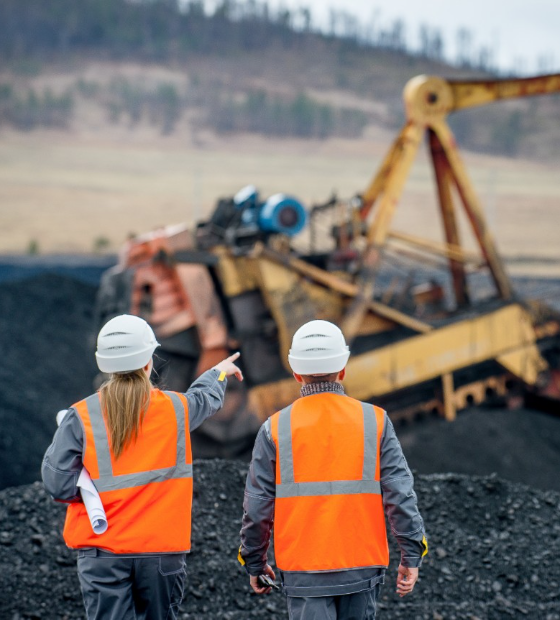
(161, 30)
(241, 68)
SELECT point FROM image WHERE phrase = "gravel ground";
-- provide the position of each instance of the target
(493, 553)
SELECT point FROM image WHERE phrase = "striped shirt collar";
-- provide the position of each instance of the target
(320, 388)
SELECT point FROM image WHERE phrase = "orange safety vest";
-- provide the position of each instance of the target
(147, 492)
(328, 510)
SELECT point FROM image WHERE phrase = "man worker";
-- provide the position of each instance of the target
(325, 471)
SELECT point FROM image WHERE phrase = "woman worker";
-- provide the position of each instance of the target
(134, 441)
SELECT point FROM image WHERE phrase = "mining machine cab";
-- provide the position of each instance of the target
(258, 268)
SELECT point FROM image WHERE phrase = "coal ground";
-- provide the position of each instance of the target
(47, 363)
(494, 548)
(522, 445)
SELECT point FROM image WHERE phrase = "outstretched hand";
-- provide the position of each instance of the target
(229, 367)
(406, 579)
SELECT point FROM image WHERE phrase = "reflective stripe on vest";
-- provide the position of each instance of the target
(109, 482)
(289, 488)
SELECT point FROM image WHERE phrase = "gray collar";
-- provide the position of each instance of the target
(320, 388)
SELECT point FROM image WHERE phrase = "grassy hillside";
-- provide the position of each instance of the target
(63, 193)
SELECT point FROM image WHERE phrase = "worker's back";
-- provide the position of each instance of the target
(329, 511)
(147, 491)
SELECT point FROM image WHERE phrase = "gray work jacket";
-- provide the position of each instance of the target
(399, 501)
(62, 462)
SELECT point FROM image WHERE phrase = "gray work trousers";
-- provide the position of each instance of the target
(131, 587)
(358, 606)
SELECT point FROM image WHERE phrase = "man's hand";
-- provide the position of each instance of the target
(229, 367)
(406, 579)
(254, 584)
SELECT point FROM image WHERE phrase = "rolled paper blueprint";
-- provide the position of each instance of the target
(92, 502)
(90, 496)
(60, 416)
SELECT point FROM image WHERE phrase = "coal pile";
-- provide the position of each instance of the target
(47, 364)
(494, 548)
(521, 445)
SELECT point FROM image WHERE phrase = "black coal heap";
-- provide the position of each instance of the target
(494, 547)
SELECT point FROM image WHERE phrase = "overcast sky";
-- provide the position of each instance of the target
(514, 29)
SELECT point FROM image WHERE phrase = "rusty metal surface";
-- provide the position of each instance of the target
(205, 305)
(443, 181)
(467, 94)
(158, 298)
(473, 210)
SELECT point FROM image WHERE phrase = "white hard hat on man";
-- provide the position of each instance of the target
(318, 348)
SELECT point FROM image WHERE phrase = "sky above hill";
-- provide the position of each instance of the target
(522, 35)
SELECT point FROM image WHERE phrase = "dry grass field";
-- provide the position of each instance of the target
(66, 191)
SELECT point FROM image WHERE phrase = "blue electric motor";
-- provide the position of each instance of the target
(283, 214)
(279, 214)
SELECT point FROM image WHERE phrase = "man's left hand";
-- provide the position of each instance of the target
(406, 579)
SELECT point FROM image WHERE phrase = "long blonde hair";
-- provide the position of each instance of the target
(125, 398)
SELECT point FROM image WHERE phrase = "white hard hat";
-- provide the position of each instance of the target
(124, 344)
(318, 347)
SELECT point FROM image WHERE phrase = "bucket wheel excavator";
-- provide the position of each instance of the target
(422, 344)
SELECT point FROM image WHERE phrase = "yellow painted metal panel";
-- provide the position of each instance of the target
(449, 411)
(505, 334)
(293, 300)
(237, 274)
(526, 363)
(270, 398)
(441, 351)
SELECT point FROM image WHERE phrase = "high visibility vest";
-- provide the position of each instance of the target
(328, 509)
(147, 492)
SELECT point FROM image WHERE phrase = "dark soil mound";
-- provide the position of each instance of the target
(521, 445)
(493, 553)
(47, 364)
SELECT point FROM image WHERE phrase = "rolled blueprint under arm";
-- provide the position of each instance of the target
(92, 502)
(90, 496)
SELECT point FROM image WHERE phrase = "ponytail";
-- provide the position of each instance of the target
(125, 398)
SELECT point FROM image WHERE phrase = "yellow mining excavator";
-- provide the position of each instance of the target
(430, 342)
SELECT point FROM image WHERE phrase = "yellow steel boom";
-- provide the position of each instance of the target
(428, 100)
(475, 93)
